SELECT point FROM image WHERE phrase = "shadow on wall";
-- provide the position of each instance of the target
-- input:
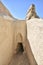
(30, 54)
(19, 41)
(20, 48)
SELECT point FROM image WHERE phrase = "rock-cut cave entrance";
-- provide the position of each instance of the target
(20, 48)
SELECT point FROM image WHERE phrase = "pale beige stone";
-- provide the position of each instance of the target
(35, 37)
(31, 13)
(14, 31)
(6, 41)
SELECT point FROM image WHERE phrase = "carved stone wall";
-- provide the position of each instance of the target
(35, 37)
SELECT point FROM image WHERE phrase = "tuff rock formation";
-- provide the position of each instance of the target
(21, 41)
(31, 13)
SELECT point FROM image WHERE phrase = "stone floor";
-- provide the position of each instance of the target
(20, 59)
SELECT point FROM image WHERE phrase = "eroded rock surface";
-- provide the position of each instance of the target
(31, 13)
(19, 59)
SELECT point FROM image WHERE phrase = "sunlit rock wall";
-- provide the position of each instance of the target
(19, 33)
(6, 41)
(35, 37)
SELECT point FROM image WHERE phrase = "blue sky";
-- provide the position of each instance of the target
(18, 8)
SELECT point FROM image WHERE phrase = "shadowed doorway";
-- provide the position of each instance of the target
(20, 48)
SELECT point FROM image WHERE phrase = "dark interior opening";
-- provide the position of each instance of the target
(20, 48)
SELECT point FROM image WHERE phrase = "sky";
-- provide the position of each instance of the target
(18, 8)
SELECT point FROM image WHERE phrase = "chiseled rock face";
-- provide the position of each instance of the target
(35, 37)
(6, 41)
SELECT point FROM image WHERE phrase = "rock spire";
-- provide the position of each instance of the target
(31, 13)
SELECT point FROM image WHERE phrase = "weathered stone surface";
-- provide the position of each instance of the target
(35, 37)
(31, 13)
(6, 41)
(14, 31)
(4, 11)
(19, 59)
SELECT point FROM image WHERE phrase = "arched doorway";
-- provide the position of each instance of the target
(19, 41)
(20, 48)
